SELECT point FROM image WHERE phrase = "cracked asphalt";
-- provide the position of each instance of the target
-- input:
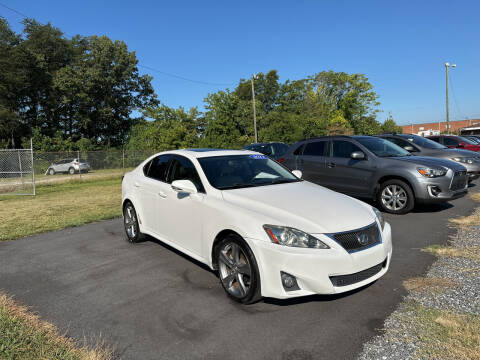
(151, 302)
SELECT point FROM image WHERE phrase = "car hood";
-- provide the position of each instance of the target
(460, 152)
(431, 162)
(303, 205)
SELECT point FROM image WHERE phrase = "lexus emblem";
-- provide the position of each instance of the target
(362, 239)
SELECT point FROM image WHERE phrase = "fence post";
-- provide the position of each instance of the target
(33, 167)
(79, 168)
(21, 170)
(123, 158)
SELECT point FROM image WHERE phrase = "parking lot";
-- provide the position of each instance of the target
(150, 301)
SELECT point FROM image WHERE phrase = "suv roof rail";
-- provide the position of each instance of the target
(325, 137)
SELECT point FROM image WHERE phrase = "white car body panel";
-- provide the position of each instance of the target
(191, 223)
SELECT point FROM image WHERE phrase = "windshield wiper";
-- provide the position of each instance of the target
(236, 186)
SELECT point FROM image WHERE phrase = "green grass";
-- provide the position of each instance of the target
(24, 336)
(60, 205)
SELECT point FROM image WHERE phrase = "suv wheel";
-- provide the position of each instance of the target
(396, 197)
(51, 171)
(71, 171)
(238, 270)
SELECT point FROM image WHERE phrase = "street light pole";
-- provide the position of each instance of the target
(254, 110)
(447, 66)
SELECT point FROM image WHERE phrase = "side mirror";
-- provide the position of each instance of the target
(357, 155)
(409, 148)
(297, 173)
(185, 186)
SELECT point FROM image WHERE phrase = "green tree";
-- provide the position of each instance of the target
(390, 126)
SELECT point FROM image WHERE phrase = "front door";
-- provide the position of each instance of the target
(182, 219)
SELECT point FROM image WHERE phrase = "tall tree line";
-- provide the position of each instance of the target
(83, 88)
(326, 103)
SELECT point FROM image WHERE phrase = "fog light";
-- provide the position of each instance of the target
(434, 190)
(289, 282)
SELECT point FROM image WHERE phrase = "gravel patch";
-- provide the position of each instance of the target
(401, 339)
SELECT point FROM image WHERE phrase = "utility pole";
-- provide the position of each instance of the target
(254, 110)
(447, 66)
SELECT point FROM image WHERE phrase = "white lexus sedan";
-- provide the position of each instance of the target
(266, 231)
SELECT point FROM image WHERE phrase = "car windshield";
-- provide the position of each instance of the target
(241, 171)
(423, 142)
(382, 147)
(474, 139)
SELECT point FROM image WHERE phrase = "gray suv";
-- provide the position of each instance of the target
(420, 146)
(371, 167)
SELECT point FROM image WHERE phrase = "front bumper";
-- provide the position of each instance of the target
(313, 268)
(436, 190)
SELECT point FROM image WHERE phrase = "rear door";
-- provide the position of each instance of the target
(150, 189)
(312, 161)
(347, 175)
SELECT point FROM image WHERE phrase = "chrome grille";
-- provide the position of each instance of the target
(358, 239)
(345, 280)
(459, 180)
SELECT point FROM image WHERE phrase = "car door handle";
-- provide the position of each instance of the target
(331, 165)
(162, 194)
(136, 184)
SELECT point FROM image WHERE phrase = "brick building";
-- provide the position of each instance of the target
(434, 127)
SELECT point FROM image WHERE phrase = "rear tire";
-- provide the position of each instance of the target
(395, 197)
(130, 222)
(71, 171)
(51, 171)
(238, 270)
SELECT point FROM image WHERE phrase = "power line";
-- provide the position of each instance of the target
(175, 76)
(455, 99)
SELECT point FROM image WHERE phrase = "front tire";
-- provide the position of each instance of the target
(238, 270)
(130, 222)
(395, 197)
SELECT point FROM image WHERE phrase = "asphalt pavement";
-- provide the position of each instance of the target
(151, 302)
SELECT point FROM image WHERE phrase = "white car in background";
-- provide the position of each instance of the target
(266, 231)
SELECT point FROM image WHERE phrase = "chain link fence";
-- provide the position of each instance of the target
(52, 167)
(17, 176)
(22, 169)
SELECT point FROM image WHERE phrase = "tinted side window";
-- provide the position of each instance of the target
(400, 142)
(146, 167)
(315, 148)
(448, 141)
(158, 168)
(343, 149)
(434, 138)
(183, 169)
(299, 150)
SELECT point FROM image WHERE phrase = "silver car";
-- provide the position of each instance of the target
(420, 146)
(70, 166)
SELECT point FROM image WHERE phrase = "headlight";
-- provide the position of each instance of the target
(380, 218)
(432, 173)
(464, 160)
(287, 236)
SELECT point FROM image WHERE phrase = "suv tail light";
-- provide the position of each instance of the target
(281, 160)
(75, 163)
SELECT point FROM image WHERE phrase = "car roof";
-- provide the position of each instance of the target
(206, 152)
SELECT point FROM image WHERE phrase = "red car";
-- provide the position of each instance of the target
(454, 141)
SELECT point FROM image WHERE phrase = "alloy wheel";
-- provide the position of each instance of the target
(130, 221)
(394, 197)
(235, 270)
